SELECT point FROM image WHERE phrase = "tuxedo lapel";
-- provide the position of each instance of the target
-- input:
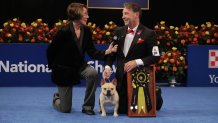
(122, 37)
(138, 34)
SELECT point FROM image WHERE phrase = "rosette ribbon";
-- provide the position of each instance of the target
(141, 101)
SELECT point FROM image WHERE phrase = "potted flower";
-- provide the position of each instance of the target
(172, 64)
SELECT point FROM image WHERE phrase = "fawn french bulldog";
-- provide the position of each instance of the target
(108, 95)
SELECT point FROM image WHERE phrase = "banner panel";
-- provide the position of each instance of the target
(115, 4)
(203, 66)
(26, 65)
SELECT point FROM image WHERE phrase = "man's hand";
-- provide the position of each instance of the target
(130, 65)
(106, 73)
(111, 49)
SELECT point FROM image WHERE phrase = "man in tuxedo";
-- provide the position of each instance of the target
(137, 46)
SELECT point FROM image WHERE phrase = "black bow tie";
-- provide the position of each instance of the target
(130, 31)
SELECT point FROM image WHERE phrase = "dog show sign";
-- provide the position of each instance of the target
(141, 88)
(202, 66)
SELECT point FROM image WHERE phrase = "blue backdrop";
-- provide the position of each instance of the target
(26, 65)
(199, 73)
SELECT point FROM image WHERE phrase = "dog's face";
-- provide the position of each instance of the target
(108, 89)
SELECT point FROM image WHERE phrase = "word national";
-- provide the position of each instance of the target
(23, 67)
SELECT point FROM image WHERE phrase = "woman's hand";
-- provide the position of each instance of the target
(111, 49)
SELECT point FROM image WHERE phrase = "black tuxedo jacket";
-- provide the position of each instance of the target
(141, 48)
(66, 59)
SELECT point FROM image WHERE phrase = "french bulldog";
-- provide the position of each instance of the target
(109, 96)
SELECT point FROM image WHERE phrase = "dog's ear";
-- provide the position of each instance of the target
(102, 81)
(114, 81)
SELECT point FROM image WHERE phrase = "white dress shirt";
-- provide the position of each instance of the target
(127, 43)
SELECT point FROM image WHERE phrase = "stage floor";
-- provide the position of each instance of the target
(34, 105)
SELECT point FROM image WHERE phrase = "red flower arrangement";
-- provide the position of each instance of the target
(187, 35)
(39, 32)
(56, 27)
(109, 28)
(208, 34)
(13, 31)
(97, 33)
(172, 63)
(102, 36)
(166, 36)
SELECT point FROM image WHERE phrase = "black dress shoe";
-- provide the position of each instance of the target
(88, 112)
